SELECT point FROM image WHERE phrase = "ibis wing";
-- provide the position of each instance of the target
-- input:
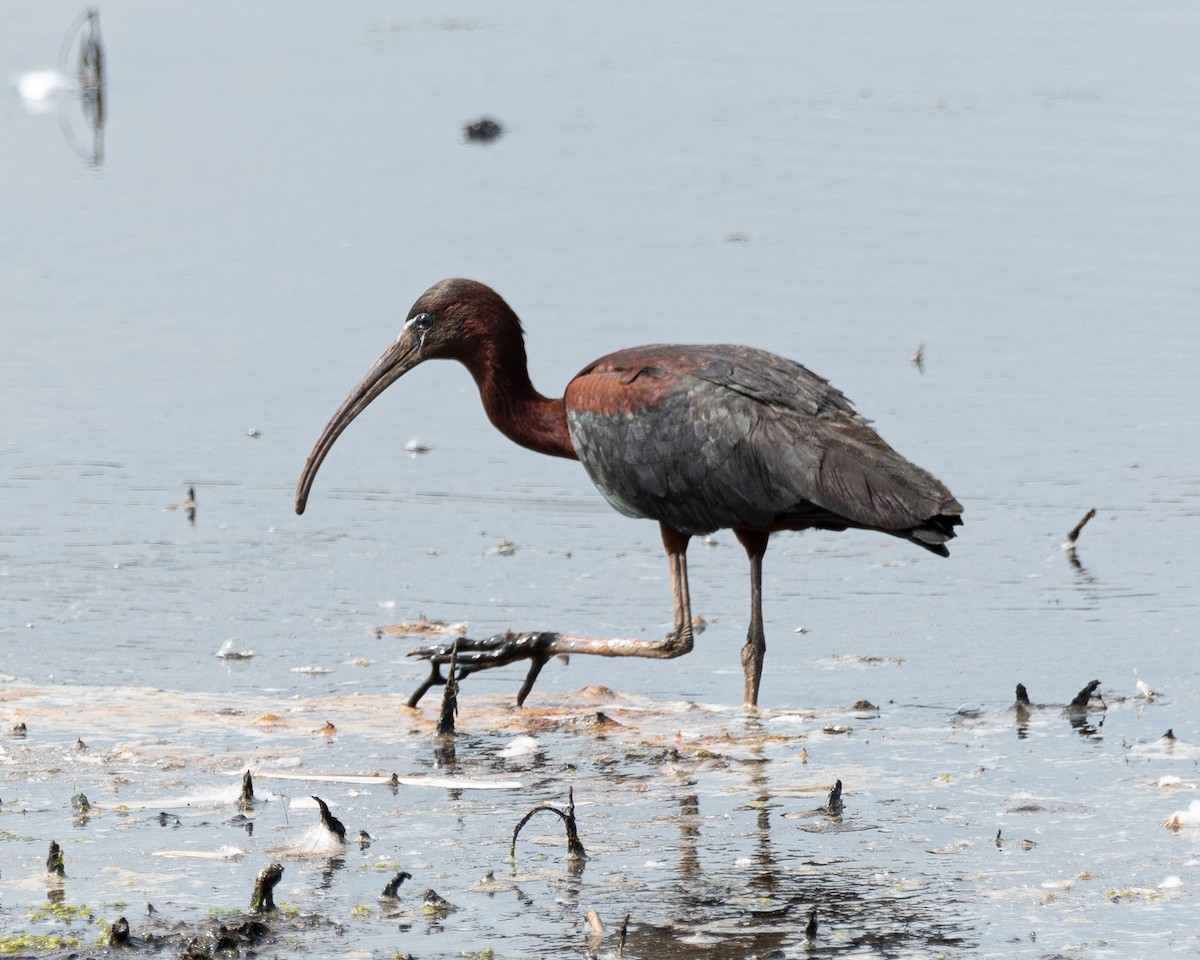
(706, 437)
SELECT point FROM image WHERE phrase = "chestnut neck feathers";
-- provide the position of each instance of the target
(491, 344)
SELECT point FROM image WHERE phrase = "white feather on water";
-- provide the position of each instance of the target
(41, 90)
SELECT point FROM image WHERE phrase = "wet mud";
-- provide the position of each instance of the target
(891, 831)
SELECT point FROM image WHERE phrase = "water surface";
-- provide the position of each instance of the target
(1010, 186)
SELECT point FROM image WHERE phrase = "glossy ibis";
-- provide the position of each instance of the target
(699, 438)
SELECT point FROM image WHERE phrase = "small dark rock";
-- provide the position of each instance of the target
(118, 933)
(483, 130)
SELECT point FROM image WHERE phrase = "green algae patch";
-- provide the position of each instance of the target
(66, 912)
(22, 943)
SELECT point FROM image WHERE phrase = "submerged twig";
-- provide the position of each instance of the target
(262, 900)
(621, 932)
(575, 851)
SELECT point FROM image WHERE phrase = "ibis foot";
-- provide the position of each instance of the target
(505, 648)
(495, 651)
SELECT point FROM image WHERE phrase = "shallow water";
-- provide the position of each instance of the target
(1009, 185)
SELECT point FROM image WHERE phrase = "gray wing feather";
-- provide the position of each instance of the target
(746, 438)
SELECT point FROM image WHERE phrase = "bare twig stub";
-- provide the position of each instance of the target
(392, 890)
(445, 727)
(833, 805)
(1069, 544)
(55, 864)
(1083, 697)
(330, 822)
(262, 900)
(575, 851)
(246, 797)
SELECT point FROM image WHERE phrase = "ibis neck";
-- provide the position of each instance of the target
(516, 409)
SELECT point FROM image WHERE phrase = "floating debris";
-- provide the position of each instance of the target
(425, 627)
(859, 660)
(262, 900)
(222, 853)
(188, 505)
(505, 548)
(522, 746)
(227, 652)
(483, 130)
(575, 852)
(416, 447)
(1143, 688)
(392, 780)
(1184, 818)
(918, 357)
(40, 90)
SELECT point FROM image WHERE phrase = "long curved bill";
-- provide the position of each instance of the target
(397, 360)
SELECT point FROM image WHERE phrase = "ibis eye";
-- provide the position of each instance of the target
(422, 322)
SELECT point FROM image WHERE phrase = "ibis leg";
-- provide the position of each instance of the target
(755, 542)
(475, 655)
